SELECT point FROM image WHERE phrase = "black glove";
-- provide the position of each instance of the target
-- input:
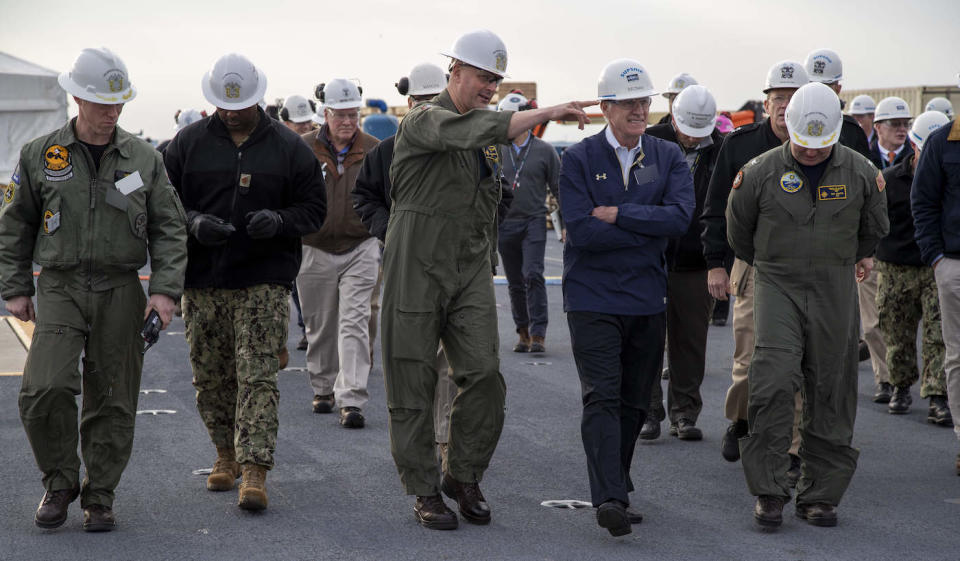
(263, 224)
(208, 229)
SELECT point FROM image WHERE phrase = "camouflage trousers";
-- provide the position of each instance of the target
(234, 336)
(906, 298)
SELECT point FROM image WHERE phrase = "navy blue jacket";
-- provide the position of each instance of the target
(935, 195)
(619, 268)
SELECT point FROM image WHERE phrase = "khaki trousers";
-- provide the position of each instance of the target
(335, 293)
(870, 321)
(735, 406)
(948, 286)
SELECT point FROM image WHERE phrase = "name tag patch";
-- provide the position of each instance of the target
(832, 192)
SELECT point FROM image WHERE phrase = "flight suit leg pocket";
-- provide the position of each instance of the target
(415, 336)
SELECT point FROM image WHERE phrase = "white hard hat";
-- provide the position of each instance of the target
(679, 82)
(824, 65)
(233, 83)
(891, 108)
(863, 105)
(426, 79)
(99, 76)
(297, 109)
(341, 93)
(512, 102)
(695, 111)
(624, 78)
(188, 117)
(940, 104)
(785, 74)
(482, 49)
(813, 116)
(318, 117)
(925, 124)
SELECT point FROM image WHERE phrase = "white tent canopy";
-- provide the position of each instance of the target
(31, 104)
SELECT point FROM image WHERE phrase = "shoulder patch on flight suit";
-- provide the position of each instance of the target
(738, 179)
(881, 182)
(832, 192)
(56, 163)
(11, 188)
(491, 153)
(791, 182)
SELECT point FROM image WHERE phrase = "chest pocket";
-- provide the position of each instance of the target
(57, 238)
(123, 219)
(843, 224)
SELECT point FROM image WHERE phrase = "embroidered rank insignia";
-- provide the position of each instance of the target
(881, 182)
(791, 182)
(832, 192)
(738, 179)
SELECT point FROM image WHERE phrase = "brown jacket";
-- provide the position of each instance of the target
(342, 230)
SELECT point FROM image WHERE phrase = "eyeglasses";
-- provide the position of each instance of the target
(635, 103)
(352, 115)
(898, 123)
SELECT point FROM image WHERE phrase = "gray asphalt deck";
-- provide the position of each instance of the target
(335, 493)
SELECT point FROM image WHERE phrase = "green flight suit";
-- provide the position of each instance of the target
(804, 241)
(437, 286)
(90, 239)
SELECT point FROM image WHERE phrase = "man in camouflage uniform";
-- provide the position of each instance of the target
(907, 294)
(251, 188)
(88, 203)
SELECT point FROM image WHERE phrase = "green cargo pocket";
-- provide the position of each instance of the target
(414, 336)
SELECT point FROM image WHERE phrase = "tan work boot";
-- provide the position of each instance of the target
(537, 344)
(253, 488)
(225, 471)
(523, 345)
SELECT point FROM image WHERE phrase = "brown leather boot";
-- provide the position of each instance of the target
(523, 345)
(225, 471)
(253, 488)
(52, 512)
(768, 512)
(537, 344)
(284, 357)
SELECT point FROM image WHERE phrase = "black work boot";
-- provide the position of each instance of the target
(351, 418)
(939, 412)
(768, 512)
(650, 429)
(884, 393)
(730, 445)
(612, 515)
(323, 403)
(433, 513)
(52, 512)
(901, 401)
(687, 430)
